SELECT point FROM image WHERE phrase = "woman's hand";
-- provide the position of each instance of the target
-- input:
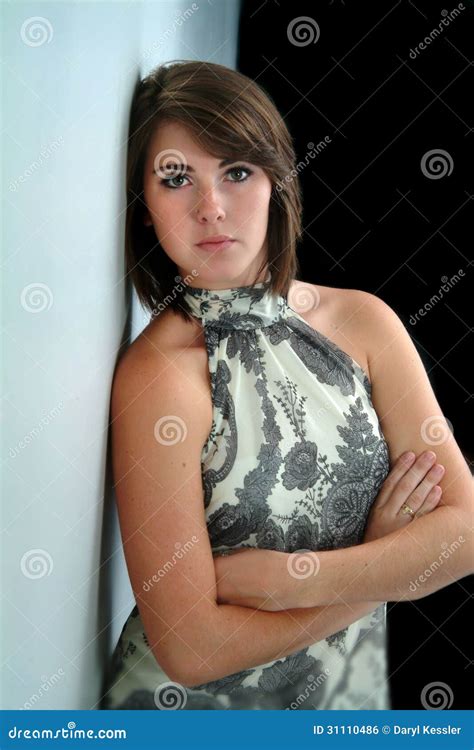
(411, 481)
(241, 576)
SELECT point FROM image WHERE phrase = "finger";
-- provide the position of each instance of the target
(431, 501)
(401, 467)
(410, 481)
(422, 491)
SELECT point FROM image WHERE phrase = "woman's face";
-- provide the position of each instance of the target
(205, 199)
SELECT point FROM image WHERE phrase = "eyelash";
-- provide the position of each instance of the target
(165, 182)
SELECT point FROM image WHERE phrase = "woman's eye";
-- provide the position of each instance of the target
(168, 182)
(240, 169)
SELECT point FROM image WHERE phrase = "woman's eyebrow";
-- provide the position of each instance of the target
(188, 168)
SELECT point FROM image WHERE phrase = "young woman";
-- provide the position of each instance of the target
(259, 415)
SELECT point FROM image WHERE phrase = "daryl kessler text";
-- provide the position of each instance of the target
(386, 729)
(425, 729)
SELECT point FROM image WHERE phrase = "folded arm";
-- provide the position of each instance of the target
(166, 542)
(408, 564)
(428, 554)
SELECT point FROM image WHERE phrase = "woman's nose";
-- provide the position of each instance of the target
(209, 207)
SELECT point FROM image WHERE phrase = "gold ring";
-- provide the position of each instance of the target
(406, 509)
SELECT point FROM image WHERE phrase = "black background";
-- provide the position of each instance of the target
(374, 221)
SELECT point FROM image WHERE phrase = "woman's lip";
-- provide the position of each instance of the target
(216, 245)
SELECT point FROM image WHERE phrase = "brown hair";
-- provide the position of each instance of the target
(228, 114)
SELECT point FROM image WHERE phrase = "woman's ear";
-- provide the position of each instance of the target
(147, 218)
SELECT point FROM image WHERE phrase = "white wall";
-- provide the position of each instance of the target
(68, 79)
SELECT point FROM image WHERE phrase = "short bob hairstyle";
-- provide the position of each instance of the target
(230, 116)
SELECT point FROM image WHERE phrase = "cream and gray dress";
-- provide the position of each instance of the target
(294, 460)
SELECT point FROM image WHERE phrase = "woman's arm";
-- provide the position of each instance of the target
(430, 553)
(408, 564)
(243, 638)
(253, 578)
(411, 419)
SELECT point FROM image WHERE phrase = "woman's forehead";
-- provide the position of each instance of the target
(173, 142)
(169, 138)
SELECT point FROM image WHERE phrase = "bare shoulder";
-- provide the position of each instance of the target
(166, 354)
(168, 334)
(370, 320)
(342, 315)
(168, 340)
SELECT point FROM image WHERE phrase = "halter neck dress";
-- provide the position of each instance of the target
(294, 460)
